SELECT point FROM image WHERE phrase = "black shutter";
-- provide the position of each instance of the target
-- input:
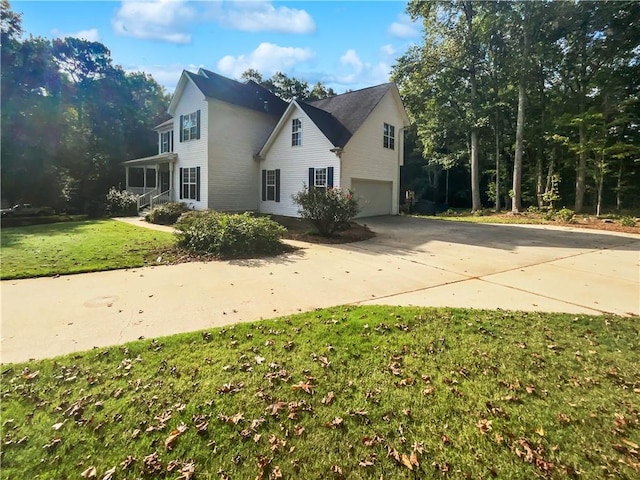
(171, 146)
(330, 177)
(181, 124)
(277, 184)
(198, 184)
(198, 125)
(181, 189)
(264, 185)
(312, 177)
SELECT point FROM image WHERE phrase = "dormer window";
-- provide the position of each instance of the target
(166, 142)
(389, 137)
(296, 132)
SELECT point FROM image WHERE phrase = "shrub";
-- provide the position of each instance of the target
(565, 215)
(225, 235)
(329, 210)
(627, 221)
(121, 202)
(166, 214)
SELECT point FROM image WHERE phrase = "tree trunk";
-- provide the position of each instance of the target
(475, 174)
(497, 164)
(517, 164)
(446, 189)
(619, 188)
(516, 204)
(581, 172)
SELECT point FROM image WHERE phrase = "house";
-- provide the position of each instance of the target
(235, 146)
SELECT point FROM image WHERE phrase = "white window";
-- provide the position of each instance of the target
(271, 184)
(296, 132)
(320, 178)
(166, 142)
(190, 183)
(389, 136)
(190, 128)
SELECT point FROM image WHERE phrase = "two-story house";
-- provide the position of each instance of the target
(235, 146)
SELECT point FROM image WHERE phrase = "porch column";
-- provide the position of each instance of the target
(172, 195)
(159, 190)
(126, 176)
(144, 179)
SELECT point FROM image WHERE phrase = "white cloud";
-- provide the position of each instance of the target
(262, 16)
(268, 59)
(165, 20)
(351, 58)
(387, 50)
(404, 27)
(358, 74)
(90, 35)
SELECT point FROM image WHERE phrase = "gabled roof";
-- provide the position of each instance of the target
(339, 117)
(329, 125)
(249, 95)
(351, 109)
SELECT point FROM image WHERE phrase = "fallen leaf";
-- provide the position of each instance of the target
(90, 472)
(336, 469)
(406, 462)
(108, 475)
(484, 425)
(328, 399)
(304, 386)
(58, 426)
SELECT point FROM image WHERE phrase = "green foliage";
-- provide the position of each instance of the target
(69, 118)
(479, 394)
(229, 235)
(627, 221)
(565, 215)
(74, 247)
(121, 203)
(328, 210)
(167, 214)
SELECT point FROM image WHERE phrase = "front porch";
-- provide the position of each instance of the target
(151, 179)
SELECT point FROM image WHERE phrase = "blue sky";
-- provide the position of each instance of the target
(346, 45)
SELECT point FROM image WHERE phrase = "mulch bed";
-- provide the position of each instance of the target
(303, 230)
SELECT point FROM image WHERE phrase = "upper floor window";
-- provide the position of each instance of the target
(166, 142)
(296, 132)
(190, 126)
(389, 137)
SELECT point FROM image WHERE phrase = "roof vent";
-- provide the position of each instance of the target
(266, 106)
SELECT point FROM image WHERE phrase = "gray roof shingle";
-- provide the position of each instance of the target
(248, 95)
(347, 112)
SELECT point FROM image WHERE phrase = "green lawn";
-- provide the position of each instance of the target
(348, 392)
(73, 247)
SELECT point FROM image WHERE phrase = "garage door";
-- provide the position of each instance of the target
(373, 196)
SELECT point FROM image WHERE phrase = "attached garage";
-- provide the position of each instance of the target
(375, 197)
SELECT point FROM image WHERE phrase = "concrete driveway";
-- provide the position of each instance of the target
(409, 262)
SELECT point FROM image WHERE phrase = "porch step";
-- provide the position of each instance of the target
(143, 212)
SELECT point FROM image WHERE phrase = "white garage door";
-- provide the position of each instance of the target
(373, 196)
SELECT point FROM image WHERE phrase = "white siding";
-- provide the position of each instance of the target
(236, 134)
(294, 162)
(364, 156)
(192, 153)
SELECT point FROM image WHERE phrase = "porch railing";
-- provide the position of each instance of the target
(144, 199)
(161, 198)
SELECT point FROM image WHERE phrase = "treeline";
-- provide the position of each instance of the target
(69, 118)
(289, 88)
(536, 101)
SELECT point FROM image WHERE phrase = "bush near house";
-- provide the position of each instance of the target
(121, 203)
(167, 214)
(329, 210)
(229, 235)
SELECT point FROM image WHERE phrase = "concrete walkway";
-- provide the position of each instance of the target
(410, 262)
